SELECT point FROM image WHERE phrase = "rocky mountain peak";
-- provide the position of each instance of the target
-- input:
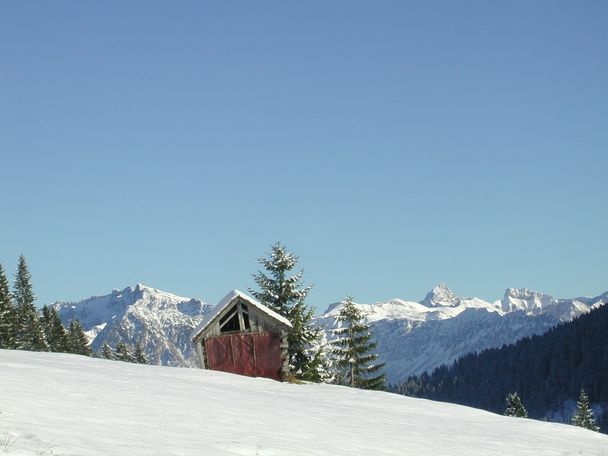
(523, 293)
(440, 295)
(526, 300)
(158, 320)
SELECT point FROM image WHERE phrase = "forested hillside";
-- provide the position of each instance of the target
(547, 371)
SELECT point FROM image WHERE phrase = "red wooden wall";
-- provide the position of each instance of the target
(252, 354)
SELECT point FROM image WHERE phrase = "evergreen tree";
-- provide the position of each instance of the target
(514, 407)
(106, 352)
(45, 325)
(584, 415)
(77, 341)
(59, 334)
(546, 370)
(28, 334)
(353, 360)
(139, 356)
(8, 317)
(54, 333)
(319, 369)
(122, 354)
(284, 294)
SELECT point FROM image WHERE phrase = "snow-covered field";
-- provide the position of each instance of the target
(60, 405)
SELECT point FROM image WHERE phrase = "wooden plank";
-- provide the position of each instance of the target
(200, 353)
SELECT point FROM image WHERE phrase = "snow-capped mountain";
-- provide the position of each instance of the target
(412, 337)
(534, 303)
(440, 295)
(415, 337)
(160, 321)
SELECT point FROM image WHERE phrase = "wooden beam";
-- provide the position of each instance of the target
(200, 351)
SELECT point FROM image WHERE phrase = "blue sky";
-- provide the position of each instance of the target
(391, 145)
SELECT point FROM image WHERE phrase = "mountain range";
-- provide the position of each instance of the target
(415, 337)
(161, 322)
(547, 371)
(412, 337)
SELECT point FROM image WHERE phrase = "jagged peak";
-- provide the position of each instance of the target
(145, 290)
(526, 300)
(332, 307)
(522, 293)
(141, 287)
(440, 295)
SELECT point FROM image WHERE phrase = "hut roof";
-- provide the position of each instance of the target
(226, 302)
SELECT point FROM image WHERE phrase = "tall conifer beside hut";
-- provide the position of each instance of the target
(244, 337)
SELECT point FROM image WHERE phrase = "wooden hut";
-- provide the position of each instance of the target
(244, 337)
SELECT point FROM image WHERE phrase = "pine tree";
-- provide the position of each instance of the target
(59, 334)
(284, 294)
(106, 352)
(28, 334)
(8, 315)
(54, 333)
(514, 406)
(584, 415)
(352, 350)
(77, 341)
(122, 354)
(139, 356)
(319, 369)
(45, 325)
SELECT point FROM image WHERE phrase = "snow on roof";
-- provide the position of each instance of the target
(227, 301)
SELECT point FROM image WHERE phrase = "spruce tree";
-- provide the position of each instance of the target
(122, 354)
(8, 316)
(352, 350)
(139, 356)
(284, 294)
(59, 334)
(514, 406)
(45, 325)
(54, 332)
(77, 341)
(106, 352)
(583, 416)
(28, 335)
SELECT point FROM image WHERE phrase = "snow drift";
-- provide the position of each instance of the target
(68, 405)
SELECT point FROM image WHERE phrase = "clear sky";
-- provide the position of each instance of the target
(391, 145)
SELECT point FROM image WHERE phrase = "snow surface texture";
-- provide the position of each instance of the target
(70, 405)
(160, 321)
(416, 337)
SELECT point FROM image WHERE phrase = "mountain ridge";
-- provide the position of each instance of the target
(160, 321)
(547, 371)
(412, 337)
(415, 337)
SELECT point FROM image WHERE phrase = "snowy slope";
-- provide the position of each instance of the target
(69, 405)
(414, 337)
(160, 321)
